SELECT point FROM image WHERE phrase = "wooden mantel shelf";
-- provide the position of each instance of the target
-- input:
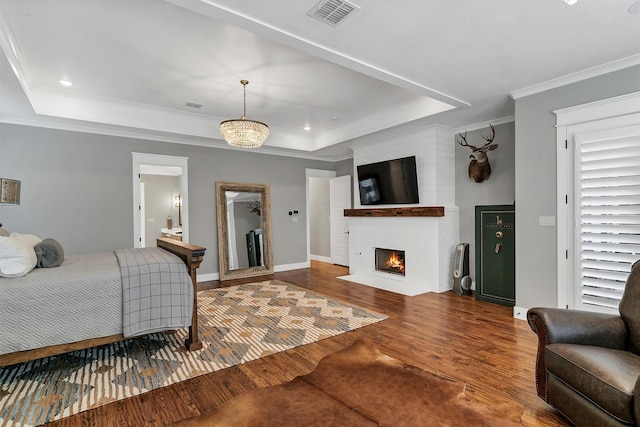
(378, 212)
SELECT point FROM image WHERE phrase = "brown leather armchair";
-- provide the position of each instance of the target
(588, 364)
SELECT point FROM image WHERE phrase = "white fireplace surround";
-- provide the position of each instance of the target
(429, 242)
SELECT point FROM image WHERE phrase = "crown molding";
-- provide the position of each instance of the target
(212, 143)
(576, 77)
(482, 125)
(602, 109)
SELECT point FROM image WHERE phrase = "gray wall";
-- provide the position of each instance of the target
(499, 189)
(160, 192)
(320, 231)
(536, 263)
(344, 167)
(77, 188)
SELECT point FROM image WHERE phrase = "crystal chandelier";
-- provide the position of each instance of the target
(244, 133)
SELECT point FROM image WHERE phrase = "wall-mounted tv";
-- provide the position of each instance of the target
(389, 182)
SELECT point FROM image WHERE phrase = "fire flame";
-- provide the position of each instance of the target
(395, 262)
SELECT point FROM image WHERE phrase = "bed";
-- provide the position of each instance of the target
(99, 298)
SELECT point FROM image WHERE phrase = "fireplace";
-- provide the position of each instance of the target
(390, 261)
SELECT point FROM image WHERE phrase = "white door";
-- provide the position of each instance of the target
(340, 199)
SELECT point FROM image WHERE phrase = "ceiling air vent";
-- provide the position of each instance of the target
(193, 105)
(332, 12)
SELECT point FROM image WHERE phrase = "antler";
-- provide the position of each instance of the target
(489, 139)
(464, 138)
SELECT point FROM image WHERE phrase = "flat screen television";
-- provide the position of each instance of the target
(389, 182)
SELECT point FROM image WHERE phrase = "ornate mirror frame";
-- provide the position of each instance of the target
(223, 235)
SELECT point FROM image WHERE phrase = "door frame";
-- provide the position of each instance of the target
(313, 173)
(139, 159)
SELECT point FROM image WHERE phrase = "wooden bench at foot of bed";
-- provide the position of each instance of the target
(192, 256)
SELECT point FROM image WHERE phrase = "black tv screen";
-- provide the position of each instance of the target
(389, 182)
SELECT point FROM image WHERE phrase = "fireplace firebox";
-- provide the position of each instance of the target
(390, 261)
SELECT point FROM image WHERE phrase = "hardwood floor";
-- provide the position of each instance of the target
(474, 341)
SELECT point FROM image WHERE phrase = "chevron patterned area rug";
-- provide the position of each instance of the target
(237, 324)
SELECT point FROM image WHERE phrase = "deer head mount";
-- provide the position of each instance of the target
(479, 167)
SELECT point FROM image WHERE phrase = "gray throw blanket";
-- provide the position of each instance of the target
(157, 293)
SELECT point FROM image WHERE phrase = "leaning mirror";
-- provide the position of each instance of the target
(244, 230)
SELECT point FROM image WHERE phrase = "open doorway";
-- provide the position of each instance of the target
(319, 219)
(160, 198)
(327, 228)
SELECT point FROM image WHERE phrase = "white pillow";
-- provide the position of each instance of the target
(27, 238)
(17, 257)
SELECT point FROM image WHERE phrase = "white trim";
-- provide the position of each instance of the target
(482, 125)
(278, 268)
(287, 267)
(598, 110)
(321, 258)
(149, 136)
(207, 277)
(520, 313)
(577, 77)
(139, 159)
(564, 230)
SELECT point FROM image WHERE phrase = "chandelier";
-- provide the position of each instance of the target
(244, 133)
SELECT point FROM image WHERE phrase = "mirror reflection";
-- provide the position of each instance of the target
(244, 230)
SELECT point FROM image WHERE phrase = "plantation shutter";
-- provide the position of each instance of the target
(607, 191)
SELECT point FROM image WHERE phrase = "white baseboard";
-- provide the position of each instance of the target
(284, 267)
(320, 258)
(206, 277)
(520, 313)
(287, 267)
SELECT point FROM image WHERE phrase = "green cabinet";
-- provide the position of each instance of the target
(495, 254)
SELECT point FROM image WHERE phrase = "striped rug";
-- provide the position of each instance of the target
(236, 324)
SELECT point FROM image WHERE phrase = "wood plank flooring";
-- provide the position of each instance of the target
(474, 341)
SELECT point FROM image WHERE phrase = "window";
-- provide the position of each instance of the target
(606, 214)
(598, 201)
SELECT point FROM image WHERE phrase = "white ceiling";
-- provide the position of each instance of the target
(135, 64)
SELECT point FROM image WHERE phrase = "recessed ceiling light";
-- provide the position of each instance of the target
(307, 127)
(571, 2)
(64, 82)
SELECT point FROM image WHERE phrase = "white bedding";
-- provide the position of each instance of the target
(79, 300)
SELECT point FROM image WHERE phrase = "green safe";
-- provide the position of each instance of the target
(495, 254)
